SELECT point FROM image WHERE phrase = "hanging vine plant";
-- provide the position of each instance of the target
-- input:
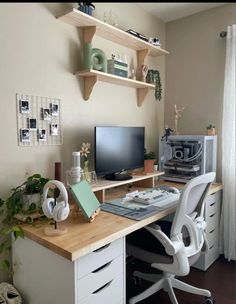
(153, 76)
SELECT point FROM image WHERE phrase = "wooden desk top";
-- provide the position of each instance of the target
(83, 237)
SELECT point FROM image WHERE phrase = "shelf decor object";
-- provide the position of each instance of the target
(94, 58)
(91, 26)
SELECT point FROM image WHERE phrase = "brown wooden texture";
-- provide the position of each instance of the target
(109, 32)
(83, 237)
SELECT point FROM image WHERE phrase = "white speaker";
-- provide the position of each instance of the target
(57, 209)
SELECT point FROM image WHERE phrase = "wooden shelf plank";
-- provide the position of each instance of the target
(116, 79)
(109, 32)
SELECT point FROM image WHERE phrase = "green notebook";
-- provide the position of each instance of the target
(85, 198)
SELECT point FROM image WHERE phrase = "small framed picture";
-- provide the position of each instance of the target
(46, 114)
(25, 135)
(54, 109)
(54, 129)
(32, 124)
(42, 135)
(24, 107)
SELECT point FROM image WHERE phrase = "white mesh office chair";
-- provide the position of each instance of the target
(171, 254)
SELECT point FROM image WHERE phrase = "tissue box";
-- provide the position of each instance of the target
(117, 68)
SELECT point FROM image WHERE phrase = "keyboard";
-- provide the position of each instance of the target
(158, 197)
(139, 205)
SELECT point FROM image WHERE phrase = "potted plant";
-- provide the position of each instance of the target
(211, 130)
(149, 160)
(22, 203)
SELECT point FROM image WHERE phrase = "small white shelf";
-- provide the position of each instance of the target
(109, 32)
(92, 76)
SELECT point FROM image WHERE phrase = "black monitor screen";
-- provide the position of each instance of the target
(118, 149)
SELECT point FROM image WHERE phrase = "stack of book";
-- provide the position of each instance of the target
(118, 68)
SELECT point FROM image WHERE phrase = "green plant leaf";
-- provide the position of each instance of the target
(5, 265)
(17, 232)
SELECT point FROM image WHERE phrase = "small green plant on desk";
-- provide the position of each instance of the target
(149, 155)
(22, 204)
(149, 160)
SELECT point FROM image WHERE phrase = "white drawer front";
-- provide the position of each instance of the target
(213, 204)
(112, 292)
(212, 221)
(95, 259)
(100, 277)
(212, 236)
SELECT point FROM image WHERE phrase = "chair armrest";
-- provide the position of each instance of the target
(171, 247)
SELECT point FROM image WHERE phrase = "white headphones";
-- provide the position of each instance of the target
(61, 210)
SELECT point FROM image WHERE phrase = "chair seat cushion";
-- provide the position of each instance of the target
(142, 238)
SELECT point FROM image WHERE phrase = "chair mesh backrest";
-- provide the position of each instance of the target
(191, 200)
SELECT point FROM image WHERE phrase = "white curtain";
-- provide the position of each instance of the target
(228, 219)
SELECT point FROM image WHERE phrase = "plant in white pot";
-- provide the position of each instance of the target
(23, 202)
(149, 160)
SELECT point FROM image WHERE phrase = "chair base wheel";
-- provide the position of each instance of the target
(209, 300)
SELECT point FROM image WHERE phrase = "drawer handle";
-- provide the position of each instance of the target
(103, 287)
(212, 214)
(102, 248)
(102, 267)
(212, 230)
(212, 204)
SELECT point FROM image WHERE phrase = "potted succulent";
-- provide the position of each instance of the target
(24, 201)
(149, 160)
(211, 130)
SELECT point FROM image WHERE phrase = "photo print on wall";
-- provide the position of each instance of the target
(25, 135)
(32, 123)
(24, 106)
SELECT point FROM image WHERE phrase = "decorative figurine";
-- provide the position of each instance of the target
(167, 132)
(142, 72)
(177, 116)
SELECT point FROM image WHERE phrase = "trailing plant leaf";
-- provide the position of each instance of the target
(5, 265)
(12, 206)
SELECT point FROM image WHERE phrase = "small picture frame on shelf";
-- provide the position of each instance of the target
(25, 135)
(42, 136)
(32, 124)
(54, 109)
(24, 107)
(54, 129)
(46, 114)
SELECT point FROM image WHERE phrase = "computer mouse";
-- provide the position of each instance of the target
(174, 190)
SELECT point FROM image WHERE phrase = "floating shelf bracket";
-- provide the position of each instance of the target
(89, 83)
(141, 55)
(141, 94)
(88, 34)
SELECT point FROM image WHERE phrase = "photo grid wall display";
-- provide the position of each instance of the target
(38, 120)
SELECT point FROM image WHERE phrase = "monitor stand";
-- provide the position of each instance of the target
(118, 177)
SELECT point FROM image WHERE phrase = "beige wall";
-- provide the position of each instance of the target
(195, 70)
(38, 56)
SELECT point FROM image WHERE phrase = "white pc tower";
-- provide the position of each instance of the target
(183, 157)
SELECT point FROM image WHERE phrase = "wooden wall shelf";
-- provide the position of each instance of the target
(109, 32)
(92, 26)
(92, 76)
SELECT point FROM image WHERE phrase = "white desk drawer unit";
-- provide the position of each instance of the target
(212, 216)
(99, 257)
(100, 275)
(109, 293)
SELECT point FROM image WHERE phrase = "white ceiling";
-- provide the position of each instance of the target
(172, 11)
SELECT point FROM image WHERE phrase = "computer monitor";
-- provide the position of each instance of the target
(118, 149)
